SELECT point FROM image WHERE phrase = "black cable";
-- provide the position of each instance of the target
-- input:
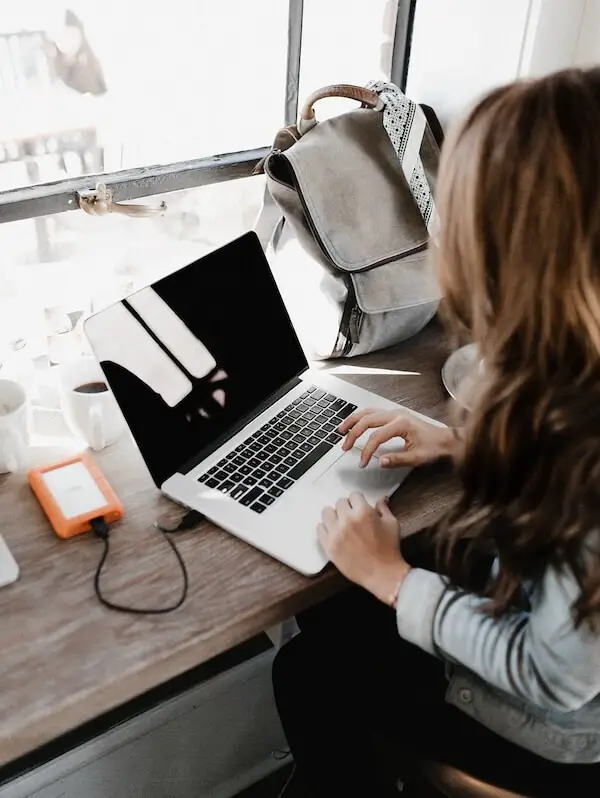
(102, 530)
(189, 520)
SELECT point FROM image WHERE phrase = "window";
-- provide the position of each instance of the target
(172, 103)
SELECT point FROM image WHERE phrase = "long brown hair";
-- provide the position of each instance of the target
(519, 263)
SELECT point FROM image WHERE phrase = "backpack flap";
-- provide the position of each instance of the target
(360, 209)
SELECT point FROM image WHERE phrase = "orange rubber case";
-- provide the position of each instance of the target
(69, 527)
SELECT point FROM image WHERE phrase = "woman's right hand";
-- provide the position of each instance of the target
(423, 442)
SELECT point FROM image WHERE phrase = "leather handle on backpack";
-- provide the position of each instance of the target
(365, 97)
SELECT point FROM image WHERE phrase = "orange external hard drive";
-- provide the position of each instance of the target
(73, 493)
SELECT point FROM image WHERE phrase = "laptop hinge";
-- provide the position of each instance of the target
(243, 422)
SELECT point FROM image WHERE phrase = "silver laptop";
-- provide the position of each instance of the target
(227, 414)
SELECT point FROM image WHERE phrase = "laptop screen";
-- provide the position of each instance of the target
(192, 355)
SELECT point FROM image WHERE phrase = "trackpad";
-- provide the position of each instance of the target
(345, 476)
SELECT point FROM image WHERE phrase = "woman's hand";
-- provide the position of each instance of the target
(364, 543)
(423, 442)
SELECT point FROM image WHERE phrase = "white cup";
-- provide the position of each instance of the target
(13, 426)
(93, 416)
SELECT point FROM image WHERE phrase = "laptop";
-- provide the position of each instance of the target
(230, 419)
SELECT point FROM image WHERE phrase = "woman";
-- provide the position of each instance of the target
(494, 667)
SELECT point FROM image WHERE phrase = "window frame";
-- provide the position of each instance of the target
(30, 202)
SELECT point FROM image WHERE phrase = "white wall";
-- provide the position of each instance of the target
(587, 50)
(463, 48)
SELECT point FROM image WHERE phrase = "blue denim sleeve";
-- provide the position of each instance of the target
(539, 656)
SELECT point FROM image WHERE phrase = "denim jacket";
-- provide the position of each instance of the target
(530, 676)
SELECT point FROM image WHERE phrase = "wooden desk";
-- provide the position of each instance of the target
(65, 659)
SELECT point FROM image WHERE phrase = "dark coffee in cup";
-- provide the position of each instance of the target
(91, 387)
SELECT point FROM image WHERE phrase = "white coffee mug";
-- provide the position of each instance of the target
(89, 406)
(13, 426)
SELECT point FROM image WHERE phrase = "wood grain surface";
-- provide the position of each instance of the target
(66, 659)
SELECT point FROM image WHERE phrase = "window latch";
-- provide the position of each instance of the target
(99, 202)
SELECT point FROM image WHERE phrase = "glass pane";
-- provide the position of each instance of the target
(95, 261)
(100, 86)
(345, 41)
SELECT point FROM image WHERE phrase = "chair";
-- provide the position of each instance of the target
(454, 782)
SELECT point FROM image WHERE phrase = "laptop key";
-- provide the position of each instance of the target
(254, 446)
(302, 467)
(251, 479)
(306, 447)
(297, 439)
(333, 438)
(212, 482)
(313, 440)
(258, 507)
(286, 435)
(346, 411)
(237, 477)
(311, 388)
(289, 461)
(238, 461)
(275, 492)
(266, 499)
(275, 459)
(229, 468)
(279, 427)
(310, 401)
(329, 397)
(270, 449)
(297, 454)
(245, 469)
(221, 475)
(238, 492)
(266, 483)
(254, 462)
(328, 413)
(318, 394)
(328, 427)
(212, 471)
(251, 496)
(262, 455)
(284, 483)
(260, 473)
(203, 477)
(226, 487)
(281, 469)
(314, 425)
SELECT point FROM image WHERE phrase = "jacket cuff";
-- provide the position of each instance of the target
(418, 600)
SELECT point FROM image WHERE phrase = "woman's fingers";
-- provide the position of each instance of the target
(328, 517)
(406, 459)
(383, 508)
(352, 419)
(384, 434)
(357, 501)
(323, 536)
(369, 420)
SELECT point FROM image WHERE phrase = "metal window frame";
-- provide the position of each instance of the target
(44, 199)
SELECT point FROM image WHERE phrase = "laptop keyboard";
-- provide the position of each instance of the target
(268, 463)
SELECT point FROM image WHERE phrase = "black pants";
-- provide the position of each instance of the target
(349, 681)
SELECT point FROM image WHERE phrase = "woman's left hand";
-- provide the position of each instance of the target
(364, 543)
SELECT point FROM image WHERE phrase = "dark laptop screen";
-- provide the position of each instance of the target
(190, 356)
